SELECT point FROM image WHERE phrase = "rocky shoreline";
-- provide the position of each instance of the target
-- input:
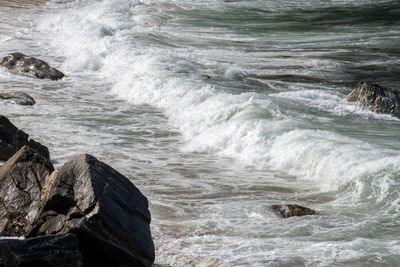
(86, 213)
(81, 214)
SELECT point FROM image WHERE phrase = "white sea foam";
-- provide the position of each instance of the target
(285, 141)
(97, 37)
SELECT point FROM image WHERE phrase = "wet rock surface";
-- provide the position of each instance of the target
(106, 214)
(18, 98)
(44, 251)
(19, 63)
(287, 211)
(377, 98)
(21, 180)
(103, 208)
(12, 139)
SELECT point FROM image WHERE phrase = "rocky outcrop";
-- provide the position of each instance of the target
(103, 208)
(18, 98)
(106, 213)
(12, 139)
(287, 211)
(19, 63)
(49, 251)
(377, 98)
(21, 180)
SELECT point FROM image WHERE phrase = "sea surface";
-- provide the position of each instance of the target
(217, 110)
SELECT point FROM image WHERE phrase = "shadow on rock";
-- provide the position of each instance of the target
(41, 251)
(12, 139)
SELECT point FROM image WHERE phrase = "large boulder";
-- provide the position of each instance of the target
(377, 98)
(19, 63)
(287, 211)
(43, 251)
(18, 98)
(12, 139)
(21, 179)
(103, 208)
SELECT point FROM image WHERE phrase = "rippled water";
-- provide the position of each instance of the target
(217, 110)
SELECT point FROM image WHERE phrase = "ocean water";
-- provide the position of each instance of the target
(217, 110)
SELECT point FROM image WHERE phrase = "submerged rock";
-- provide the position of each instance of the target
(12, 139)
(103, 208)
(49, 251)
(236, 74)
(287, 211)
(21, 180)
(19, 63)
(377, 98)
(18, 98)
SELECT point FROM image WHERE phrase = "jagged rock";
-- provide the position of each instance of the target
(43, 251)
(18, 98)
(287, 211)
(19, 63)
(12, 139)
(103, 208)
(21, 180)
(377, 98)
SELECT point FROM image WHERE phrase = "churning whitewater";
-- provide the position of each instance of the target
(219, 109)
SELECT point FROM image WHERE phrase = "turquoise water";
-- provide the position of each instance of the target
(219, 109)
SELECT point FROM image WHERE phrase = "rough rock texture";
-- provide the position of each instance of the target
(287, 211)
(103, 208)
(12, 139)
(21, 180)
(377, 98)
(19, 63)
(44, 251)
(18, 98)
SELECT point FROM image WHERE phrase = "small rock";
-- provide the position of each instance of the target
(18, 98)
(19, 63)
(49, 251)
(205, 77)
(21, 180)
(12, 139)
(103, 208)
(236, 74)
(287, 211)
(377, 98)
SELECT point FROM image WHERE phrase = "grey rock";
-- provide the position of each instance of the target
(287, 211)
(44, 251)
(377, 98)
(21, 180)
(19, 63)
(18, 98)
(103, 208)
(12, 139)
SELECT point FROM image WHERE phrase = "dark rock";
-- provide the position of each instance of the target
(19, 63)
(287, 211)
(43, 251)
(12, 139)
(18, 98)
(21, 180)
(205, 77)
(377, 98)
(103, 208)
